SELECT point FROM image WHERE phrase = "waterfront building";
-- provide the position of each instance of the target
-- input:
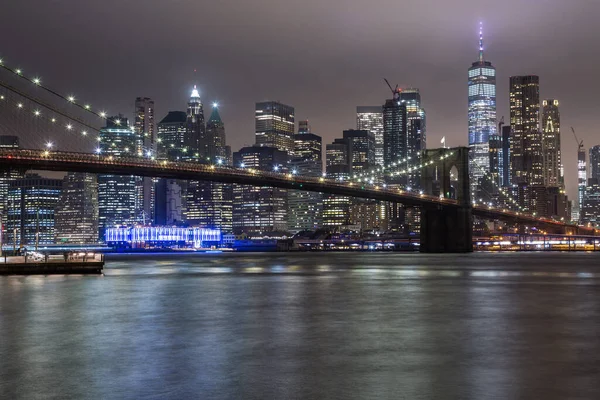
(76, 219)
(526, 145)
(553, 175)
(163, 237)
(370, 118)
(260, 210)
(146, 146)
(274, 125)
(481, 115)
(117, 194)
(32, 201)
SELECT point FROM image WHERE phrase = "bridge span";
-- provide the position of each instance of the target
(446, 223)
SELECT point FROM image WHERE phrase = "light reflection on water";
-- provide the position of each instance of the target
(313, 325)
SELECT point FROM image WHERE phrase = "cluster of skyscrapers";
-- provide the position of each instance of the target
(521, 160)
(517, 162)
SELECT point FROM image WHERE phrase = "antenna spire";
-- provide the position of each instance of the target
(481, 42)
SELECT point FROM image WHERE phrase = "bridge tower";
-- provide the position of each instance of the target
(447, 229)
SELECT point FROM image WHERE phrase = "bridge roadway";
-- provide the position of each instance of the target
(103, 164)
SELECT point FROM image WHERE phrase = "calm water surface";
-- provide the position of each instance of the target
(307, 326)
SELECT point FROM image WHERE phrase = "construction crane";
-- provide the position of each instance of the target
(579, 143)
(395, 91)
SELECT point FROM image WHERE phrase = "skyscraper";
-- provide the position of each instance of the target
(336, 209)
(171, 135)
(595, 162)
(76, 218)
(416, 132)
(305, 208)
(482, 115)
(215, 137)
(362, 149)
(395, 144)
(307, 146)
(274, 125)
(370, 118)
(146, 147)
(553, 175)
(259, 210)
(194, 142)
(32, 201)
(526, 157)
(6, 177)
(117, 194)
(505, 157)
(582, 181)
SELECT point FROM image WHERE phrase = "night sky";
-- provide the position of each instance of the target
(322, 57)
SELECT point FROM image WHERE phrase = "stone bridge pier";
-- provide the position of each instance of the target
(447, 229)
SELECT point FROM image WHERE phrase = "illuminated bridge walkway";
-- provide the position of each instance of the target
(448, 229)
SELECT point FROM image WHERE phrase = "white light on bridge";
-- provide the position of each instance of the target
(103, 114)
(69, 126)
(37, 81)
(49, 145)
(71, 98)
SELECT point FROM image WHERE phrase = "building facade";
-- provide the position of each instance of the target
(6, 177)
(395, 150)
(171, 135)
(481, 115)
(145, 131)
(259, 210)
(370, 118)
(526, 145)
(275, 125)
(195, 147)
(76, 219)
(117, 194)
(32, 202)
(553, 171)
(338, 164)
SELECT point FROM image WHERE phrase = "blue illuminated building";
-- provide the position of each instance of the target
(158, 236)
(482, 114)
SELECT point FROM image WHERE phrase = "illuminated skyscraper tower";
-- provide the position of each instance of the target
(194, 146)
(482, 114)
(553, 175)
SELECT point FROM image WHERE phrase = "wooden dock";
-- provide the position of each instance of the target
(49, 265)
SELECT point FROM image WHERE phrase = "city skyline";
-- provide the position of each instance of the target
(436, 66)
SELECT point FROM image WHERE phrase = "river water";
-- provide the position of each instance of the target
(307, 326)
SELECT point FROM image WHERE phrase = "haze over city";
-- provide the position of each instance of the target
(322, 58)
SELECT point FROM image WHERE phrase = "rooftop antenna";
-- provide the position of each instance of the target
(481, 42)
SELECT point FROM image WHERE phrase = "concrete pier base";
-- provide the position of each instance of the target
(446, 230)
